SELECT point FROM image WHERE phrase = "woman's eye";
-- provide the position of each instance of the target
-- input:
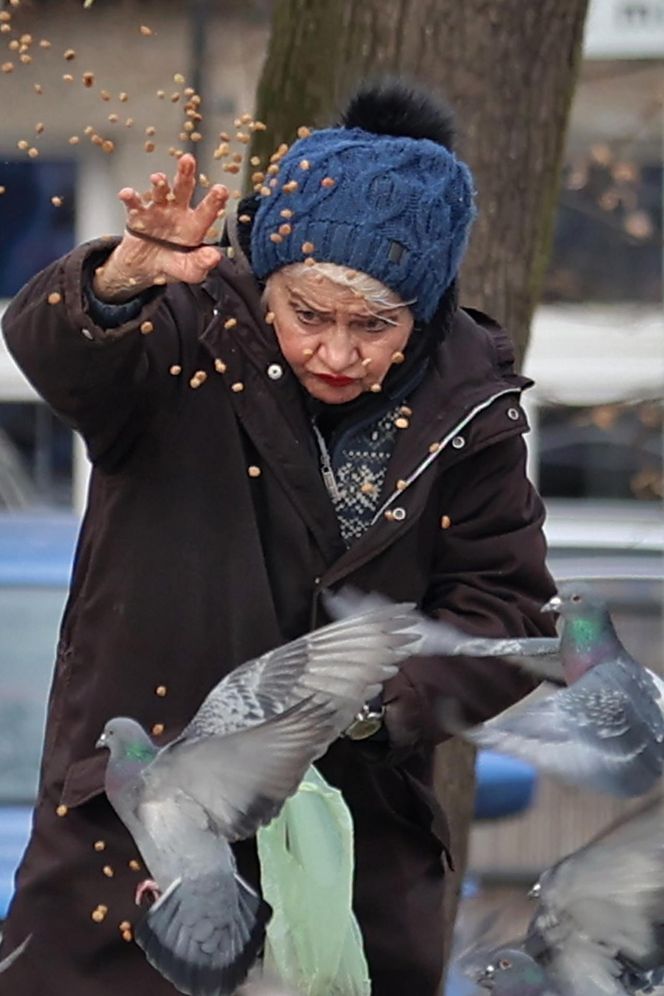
(305, 316)
(374, 325)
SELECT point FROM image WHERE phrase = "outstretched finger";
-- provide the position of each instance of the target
(160, 188)
(184, 183)
(130, 198)
(214, 201)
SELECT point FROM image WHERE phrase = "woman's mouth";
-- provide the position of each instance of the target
(336, 380)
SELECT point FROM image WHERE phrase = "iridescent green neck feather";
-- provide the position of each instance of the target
(583, 633)
(139, 751)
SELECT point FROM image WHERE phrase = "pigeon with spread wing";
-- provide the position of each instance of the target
(228, 773)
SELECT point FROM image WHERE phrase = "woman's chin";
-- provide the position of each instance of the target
(331, 394)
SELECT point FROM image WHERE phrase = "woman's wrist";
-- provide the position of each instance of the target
(121, 277)
(114, 287)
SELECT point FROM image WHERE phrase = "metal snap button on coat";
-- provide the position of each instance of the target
(274, 371)
(513, 413)
(399, 514)
(458, 442)
(87, 333)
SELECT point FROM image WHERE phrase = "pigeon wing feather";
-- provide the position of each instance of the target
(599, 907)
(343, 664)
(243, 778)
(591, 734)
(539, 655)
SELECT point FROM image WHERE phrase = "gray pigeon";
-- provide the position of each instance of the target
(228, 773)
(601, 909)
(16, 953)
(597, 930)
(605, 730)
(512, 972)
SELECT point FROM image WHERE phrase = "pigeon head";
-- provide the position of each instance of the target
(588, 637)
(576, 600)
(127, 741)
(513, 973)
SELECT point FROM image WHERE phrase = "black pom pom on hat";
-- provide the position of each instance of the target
(391, 106)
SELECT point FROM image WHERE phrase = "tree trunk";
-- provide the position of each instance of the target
(508, 68)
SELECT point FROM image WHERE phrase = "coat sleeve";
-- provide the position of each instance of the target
(490, 579)
(98, 380)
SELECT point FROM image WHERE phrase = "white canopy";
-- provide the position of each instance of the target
(594, 354)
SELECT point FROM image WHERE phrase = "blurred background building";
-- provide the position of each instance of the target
(597, 347)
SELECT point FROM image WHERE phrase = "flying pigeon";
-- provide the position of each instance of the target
(228, 773)
(16, 953)
(598, 928)
(605, 730)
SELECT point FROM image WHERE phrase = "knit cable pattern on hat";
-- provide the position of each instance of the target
(399, 209)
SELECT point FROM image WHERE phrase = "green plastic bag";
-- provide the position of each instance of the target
(314, 943)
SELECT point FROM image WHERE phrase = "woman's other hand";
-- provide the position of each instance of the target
(164, 215)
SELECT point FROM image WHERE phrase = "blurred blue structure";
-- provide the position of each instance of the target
(37, 548)
(36, 552)
(15, 824)
(505, 786)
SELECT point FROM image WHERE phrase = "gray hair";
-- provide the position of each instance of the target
(376, 294)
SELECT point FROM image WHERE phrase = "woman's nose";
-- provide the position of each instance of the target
(337, 349)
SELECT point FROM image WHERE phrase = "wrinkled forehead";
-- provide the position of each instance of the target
(341, 288)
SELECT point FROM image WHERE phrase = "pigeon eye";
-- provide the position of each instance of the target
(504, 963)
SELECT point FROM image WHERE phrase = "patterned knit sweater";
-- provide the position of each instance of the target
(355, 468)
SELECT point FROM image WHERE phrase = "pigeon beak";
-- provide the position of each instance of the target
(553, 605)
(102, 742)
(486, 979)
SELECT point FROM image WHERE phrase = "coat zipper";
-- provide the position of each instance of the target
(326, 466)
(441, 446)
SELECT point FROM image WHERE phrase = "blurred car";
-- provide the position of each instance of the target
(16, 489)
(36, 551)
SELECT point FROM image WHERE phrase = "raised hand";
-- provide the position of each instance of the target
(163, 241)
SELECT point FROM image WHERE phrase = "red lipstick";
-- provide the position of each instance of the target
(336, 381)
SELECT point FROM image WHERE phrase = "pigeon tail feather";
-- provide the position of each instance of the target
(169, 941)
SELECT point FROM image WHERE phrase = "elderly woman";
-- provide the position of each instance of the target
(304, 409)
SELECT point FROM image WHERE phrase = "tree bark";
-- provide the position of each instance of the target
(508, 68)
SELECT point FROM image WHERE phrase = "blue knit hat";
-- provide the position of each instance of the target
(399, 209)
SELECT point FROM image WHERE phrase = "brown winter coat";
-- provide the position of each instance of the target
(187, 566)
